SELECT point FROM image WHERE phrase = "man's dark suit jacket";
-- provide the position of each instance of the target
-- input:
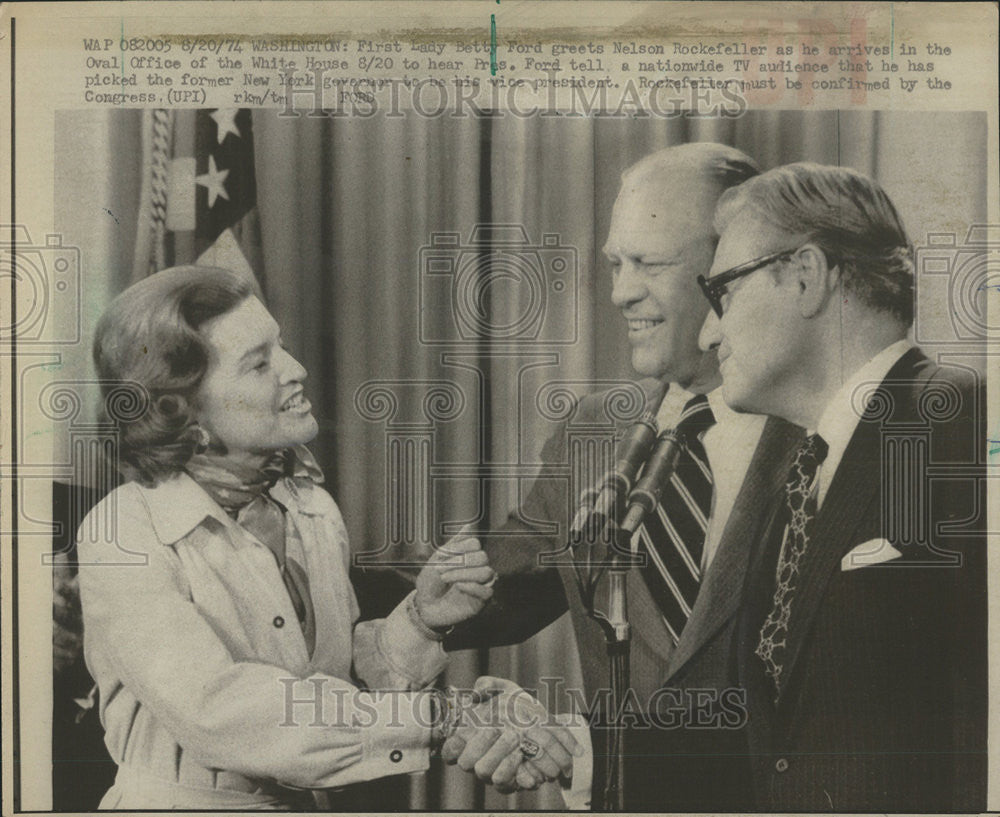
(884, 700)
(678, 768)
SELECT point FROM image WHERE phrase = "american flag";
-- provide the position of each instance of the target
(199, 192)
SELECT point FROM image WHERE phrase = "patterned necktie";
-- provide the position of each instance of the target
(673, 538)
(800, 511)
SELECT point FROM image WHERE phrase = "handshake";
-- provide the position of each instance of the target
(497, 730)
(504, 735)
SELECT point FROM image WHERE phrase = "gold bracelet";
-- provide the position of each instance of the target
(447, 715)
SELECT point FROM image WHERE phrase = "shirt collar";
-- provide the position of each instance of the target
(677, 397)
(672, 406)
(840, 417)
(178, 505)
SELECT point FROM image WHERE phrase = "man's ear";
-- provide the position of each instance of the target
(817, 281)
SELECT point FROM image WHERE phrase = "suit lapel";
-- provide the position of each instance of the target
(855, 486)
(648, 625)
(720, 593)
(853, 489)
(758, 591)
(647, 621)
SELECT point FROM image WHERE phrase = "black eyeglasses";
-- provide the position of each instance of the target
(716, 286)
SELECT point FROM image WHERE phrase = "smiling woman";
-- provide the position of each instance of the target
(252, 399)
(215, 583)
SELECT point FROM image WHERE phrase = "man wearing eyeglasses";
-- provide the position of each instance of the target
(682, 605)
(861, 639)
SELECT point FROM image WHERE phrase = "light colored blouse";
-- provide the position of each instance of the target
(208, 695)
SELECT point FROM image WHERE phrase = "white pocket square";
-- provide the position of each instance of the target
(872, 552)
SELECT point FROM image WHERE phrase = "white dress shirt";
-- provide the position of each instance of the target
(843, 413)
(208, 694)
(730, 444)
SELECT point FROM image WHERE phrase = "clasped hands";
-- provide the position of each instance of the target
(506, 736)
(498, 730)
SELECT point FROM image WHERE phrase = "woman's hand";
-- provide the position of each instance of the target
(455, 584)
(510, 740)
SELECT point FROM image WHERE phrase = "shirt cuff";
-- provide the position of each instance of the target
(410, 650)
(577, 791)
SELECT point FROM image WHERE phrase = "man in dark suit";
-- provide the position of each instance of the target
(682, 605)
(861, 640)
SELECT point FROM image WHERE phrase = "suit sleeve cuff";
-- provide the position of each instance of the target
(577, 792)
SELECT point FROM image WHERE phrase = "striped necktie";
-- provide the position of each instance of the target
(673, 538)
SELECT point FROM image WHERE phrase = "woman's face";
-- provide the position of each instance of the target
(251, 399)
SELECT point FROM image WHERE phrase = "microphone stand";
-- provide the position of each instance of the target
(614, 624)
(618, 639)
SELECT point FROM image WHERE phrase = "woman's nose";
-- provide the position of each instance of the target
(291, 369)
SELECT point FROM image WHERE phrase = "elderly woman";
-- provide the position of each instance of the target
(219, 620)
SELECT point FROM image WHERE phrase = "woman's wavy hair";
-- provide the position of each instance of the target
(150, 337)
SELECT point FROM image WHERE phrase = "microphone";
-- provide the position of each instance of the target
(646, 494)
(598, 503)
